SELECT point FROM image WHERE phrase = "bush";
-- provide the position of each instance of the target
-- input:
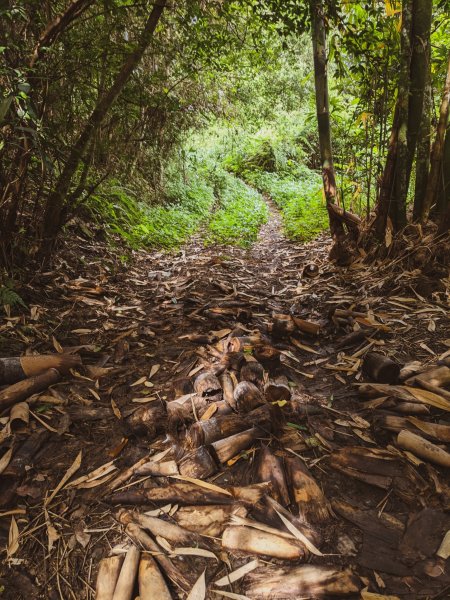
(240, 214)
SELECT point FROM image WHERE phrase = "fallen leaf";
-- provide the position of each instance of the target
(70, 471)
(4, 460)
(299, 535)
(194, 552)
(13, 538)
(116, 410)
(154, 370)
(198, 592)
(238, 573)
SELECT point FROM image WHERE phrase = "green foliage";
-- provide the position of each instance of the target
(300, 200)
(9, 297)
(240, 215)
(167, 226)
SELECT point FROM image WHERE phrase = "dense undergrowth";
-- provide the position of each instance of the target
(217, 185)
(228, 210)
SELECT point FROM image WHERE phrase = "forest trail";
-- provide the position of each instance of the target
(145, 332)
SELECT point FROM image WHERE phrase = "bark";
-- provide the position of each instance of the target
(18, 368)
(443, 201)
(420, 53)
(58, 25)
(437, 151)
(55, 205)
(323, 110)
(423, 148)
(397, 205)
(380, 368)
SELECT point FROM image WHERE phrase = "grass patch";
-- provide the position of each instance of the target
(167, 226)
(240, 213)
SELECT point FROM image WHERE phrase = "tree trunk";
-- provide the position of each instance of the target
(423, 148)
(54, 209)
(397, 205)
(420, 66)
(437, 151)
(323, 110)
(394, 186)
(443, 199)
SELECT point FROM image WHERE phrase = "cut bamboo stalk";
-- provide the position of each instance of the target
(231, 446)
(233, 361)
(417, 426)
(312, 505)
(438, 377)
(142, 538)
(380, 368)
(253, 541)
(24, 389)
(148, 421)
(108, 574)
(282, 326)
(252, 371)
(216, 428)
(243, 344)
(151, 583)
(125, 583)
(305, 581)
(19, 368)
(22, 459)
(208, 520)
(157, 469)
(270, 468)
(176, 493)
(222, 426)
(423, 449)
(157, 527)
(199, 464)
(226, 381)
(207, 384)
(278, 389)
(268, 356)
(247, 397)
(306, 326)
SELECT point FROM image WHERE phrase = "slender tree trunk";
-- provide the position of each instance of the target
(423, 148)
(323, 110)
(52, 219)
(443, 200)
(437, 151)
(394, 186)
(397, 206)
(420, 68)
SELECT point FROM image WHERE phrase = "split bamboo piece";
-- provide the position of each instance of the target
(305, 581)
(230, 446)
(18, 368)
(254, 541)
(270, 468)
(151, 583)
(422, 448)
(142, 538)
(108, 574)
(24, 389)
(125, 582)
(157, 527)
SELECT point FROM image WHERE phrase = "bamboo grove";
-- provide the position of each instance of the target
(98, 89)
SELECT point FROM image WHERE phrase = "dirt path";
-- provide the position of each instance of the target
(148, 329)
